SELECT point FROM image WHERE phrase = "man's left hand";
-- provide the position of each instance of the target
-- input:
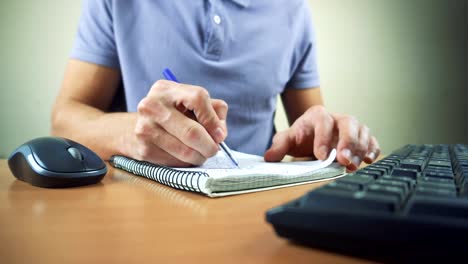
(317, 132)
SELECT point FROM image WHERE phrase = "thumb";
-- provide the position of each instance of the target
(282, 143)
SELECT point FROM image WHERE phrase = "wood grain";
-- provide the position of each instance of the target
(129, 219)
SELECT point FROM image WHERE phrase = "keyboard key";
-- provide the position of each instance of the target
(436, 180)
(406, 180)
(438, 174)
(379, 189)
(358, 179)
(345, 186)
(351, 201)
(386, 168)
(438, 169)
(403, 185)
(377, 170)
(372, 173)
(438, 185)
(410, 173)
(386, 163)
(414, 164)
(431, 206)
(394, 161)
(440, 163)
(429, 191)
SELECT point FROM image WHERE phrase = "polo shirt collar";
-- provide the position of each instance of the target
(243, 3)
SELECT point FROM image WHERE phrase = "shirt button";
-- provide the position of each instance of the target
(217, 19)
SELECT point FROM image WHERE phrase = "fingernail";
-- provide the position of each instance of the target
(219, 134)
(323, 151)
(347, 154)
(356, 161)
(371, 156)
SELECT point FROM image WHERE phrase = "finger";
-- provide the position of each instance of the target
(348, 132)
(221, 109)
(170, 144)
(323, 137)
(188, 131)
(282, 143)
(374, 151)
(148, 151)
(197, 99)
(363, 143)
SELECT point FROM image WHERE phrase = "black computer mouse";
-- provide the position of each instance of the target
(54, 162)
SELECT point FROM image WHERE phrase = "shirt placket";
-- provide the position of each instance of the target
(215, 31)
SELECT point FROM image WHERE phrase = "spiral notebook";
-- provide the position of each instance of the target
(218, 177)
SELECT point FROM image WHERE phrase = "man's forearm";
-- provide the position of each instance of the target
(105, 133)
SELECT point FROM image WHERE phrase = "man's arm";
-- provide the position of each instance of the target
(297, 101)
(158, 132)
(314, 131)
(79, 110)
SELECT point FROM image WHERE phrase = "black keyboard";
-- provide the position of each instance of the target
(411, 205)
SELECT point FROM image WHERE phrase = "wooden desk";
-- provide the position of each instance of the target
(129, 219)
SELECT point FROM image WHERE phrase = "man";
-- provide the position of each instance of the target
(230, 53)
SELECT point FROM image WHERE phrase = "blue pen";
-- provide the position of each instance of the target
(171, 77)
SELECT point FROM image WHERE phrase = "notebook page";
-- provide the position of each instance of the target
(220, 166)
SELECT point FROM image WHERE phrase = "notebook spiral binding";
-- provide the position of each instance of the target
(184, 180)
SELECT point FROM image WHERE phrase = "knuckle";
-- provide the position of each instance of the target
(200, 93)
(208, 120)
(155, 109)
(150, 105)
(319, 108)
(351, 119)
(143, 105)
(203, 92)
(354, 120)
(191, 133)
(365, 128)
(224, 105)
(187, 154)
(142, 129)
(159, 85)
(162, 116)
(328, 125)
(328, 120)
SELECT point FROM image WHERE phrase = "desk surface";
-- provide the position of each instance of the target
(128, 219)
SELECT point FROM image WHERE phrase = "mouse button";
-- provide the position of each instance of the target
(75, 153)
(90, 160)
(52, 155)
(93, 162)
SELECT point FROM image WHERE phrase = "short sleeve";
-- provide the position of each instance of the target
(95, 41)
(305, 70)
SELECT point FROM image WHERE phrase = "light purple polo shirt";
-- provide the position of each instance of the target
(245, 52)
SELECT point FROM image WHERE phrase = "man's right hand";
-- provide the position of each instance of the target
(178, 125)
(163, 131)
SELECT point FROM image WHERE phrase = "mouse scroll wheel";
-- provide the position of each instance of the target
(75, 153)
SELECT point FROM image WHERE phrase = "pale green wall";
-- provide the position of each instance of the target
(36, 38)
(399, 66)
